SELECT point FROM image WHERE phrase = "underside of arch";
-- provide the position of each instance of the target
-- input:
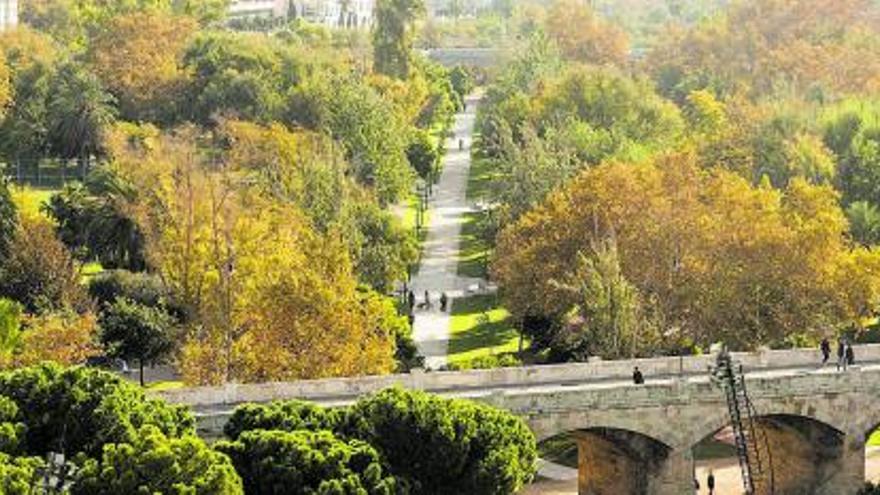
(613, 461)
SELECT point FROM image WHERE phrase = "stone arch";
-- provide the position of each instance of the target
(645, 422)
(615, 461)
(809, 449)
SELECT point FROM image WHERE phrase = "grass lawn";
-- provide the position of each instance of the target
(473, 251)
(874, 439)
(480, 328)
(30, 200)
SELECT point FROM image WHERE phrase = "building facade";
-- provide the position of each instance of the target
(269, 9)
(344, 14)
(8, 14)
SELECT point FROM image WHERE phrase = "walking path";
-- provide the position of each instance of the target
(438, 271)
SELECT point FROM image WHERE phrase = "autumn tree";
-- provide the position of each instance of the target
(270, 297)
(583, 36)
(719, 258)
(139, 59)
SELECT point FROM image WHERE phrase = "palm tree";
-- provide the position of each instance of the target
(864, 222)
(79, 111)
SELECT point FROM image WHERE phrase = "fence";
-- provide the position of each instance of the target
(45, 173)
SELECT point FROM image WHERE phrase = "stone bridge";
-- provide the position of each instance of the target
(639, 439)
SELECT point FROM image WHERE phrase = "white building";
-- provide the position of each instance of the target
(335, 13)
(8, 14)
(257, 8)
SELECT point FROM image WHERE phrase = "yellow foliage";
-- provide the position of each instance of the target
(583, 36)
(722, 259)
(67, 339)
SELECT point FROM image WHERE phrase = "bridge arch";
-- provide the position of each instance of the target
(809, 454)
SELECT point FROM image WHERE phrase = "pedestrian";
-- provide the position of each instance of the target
(710, 483)
(460, 144)
(412, 320)
(850, 355)
(411, 300)
(444, 301)
(427, 300)
(825, 347)
(841, 354)
(638, 378)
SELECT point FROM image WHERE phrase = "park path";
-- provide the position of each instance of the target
(438, 269)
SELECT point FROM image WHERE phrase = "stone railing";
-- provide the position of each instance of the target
(343, 390)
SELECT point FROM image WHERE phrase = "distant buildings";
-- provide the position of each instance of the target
(330, 13)
(8, 14)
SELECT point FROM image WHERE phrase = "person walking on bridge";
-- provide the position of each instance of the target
(825, 347)
(841, 354)
(850, 355)
(638, 378)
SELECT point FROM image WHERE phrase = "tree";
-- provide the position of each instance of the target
(393, 36)
(305, 462)
(8, 220)
(95, 220)
(681, 234)
(18, 475)
(286, 416)
(607, 319)
(80, 409)
(132, 331)
(78, 114)
(64, 338)
(462, 447)
(139, 59)
(584, 37)
(39, 271)
(423, 155)
(10, 328)
(269, 297)
(864, 222)
(154, 463)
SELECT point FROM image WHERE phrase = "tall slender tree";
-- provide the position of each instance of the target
(393, 36)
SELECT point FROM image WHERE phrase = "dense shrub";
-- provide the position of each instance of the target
(154, 463)
(18, 475)
(283, 416)
(39, 271)
(11, 430)
(142, 288)
(80, 409)
(870, 489)
(305, 463)
(8, 219)
(487, 363)
(461, 446)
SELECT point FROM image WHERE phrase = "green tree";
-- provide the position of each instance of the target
(864, 222)
(306, 462)
(393, 36)
(423, 155)
(281, 415)
(80, 409)
(10, 328)
(19, 475)
(462, 447)
(132, 331)
(8, 220)
(79, 113)
(154, 463)
(93, 220)
(607, 318)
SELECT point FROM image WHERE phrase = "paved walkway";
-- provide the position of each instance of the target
(438, 270)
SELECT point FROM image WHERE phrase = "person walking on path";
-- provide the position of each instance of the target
(841, 354)
(411, 301)
(444, 302)
(825, 347)
(850, 355)
(638, 378)
(710, 483)
(427, 301)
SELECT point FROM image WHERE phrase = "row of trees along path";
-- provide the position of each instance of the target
(438, 270)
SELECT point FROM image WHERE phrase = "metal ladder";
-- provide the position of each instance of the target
(752, 447)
